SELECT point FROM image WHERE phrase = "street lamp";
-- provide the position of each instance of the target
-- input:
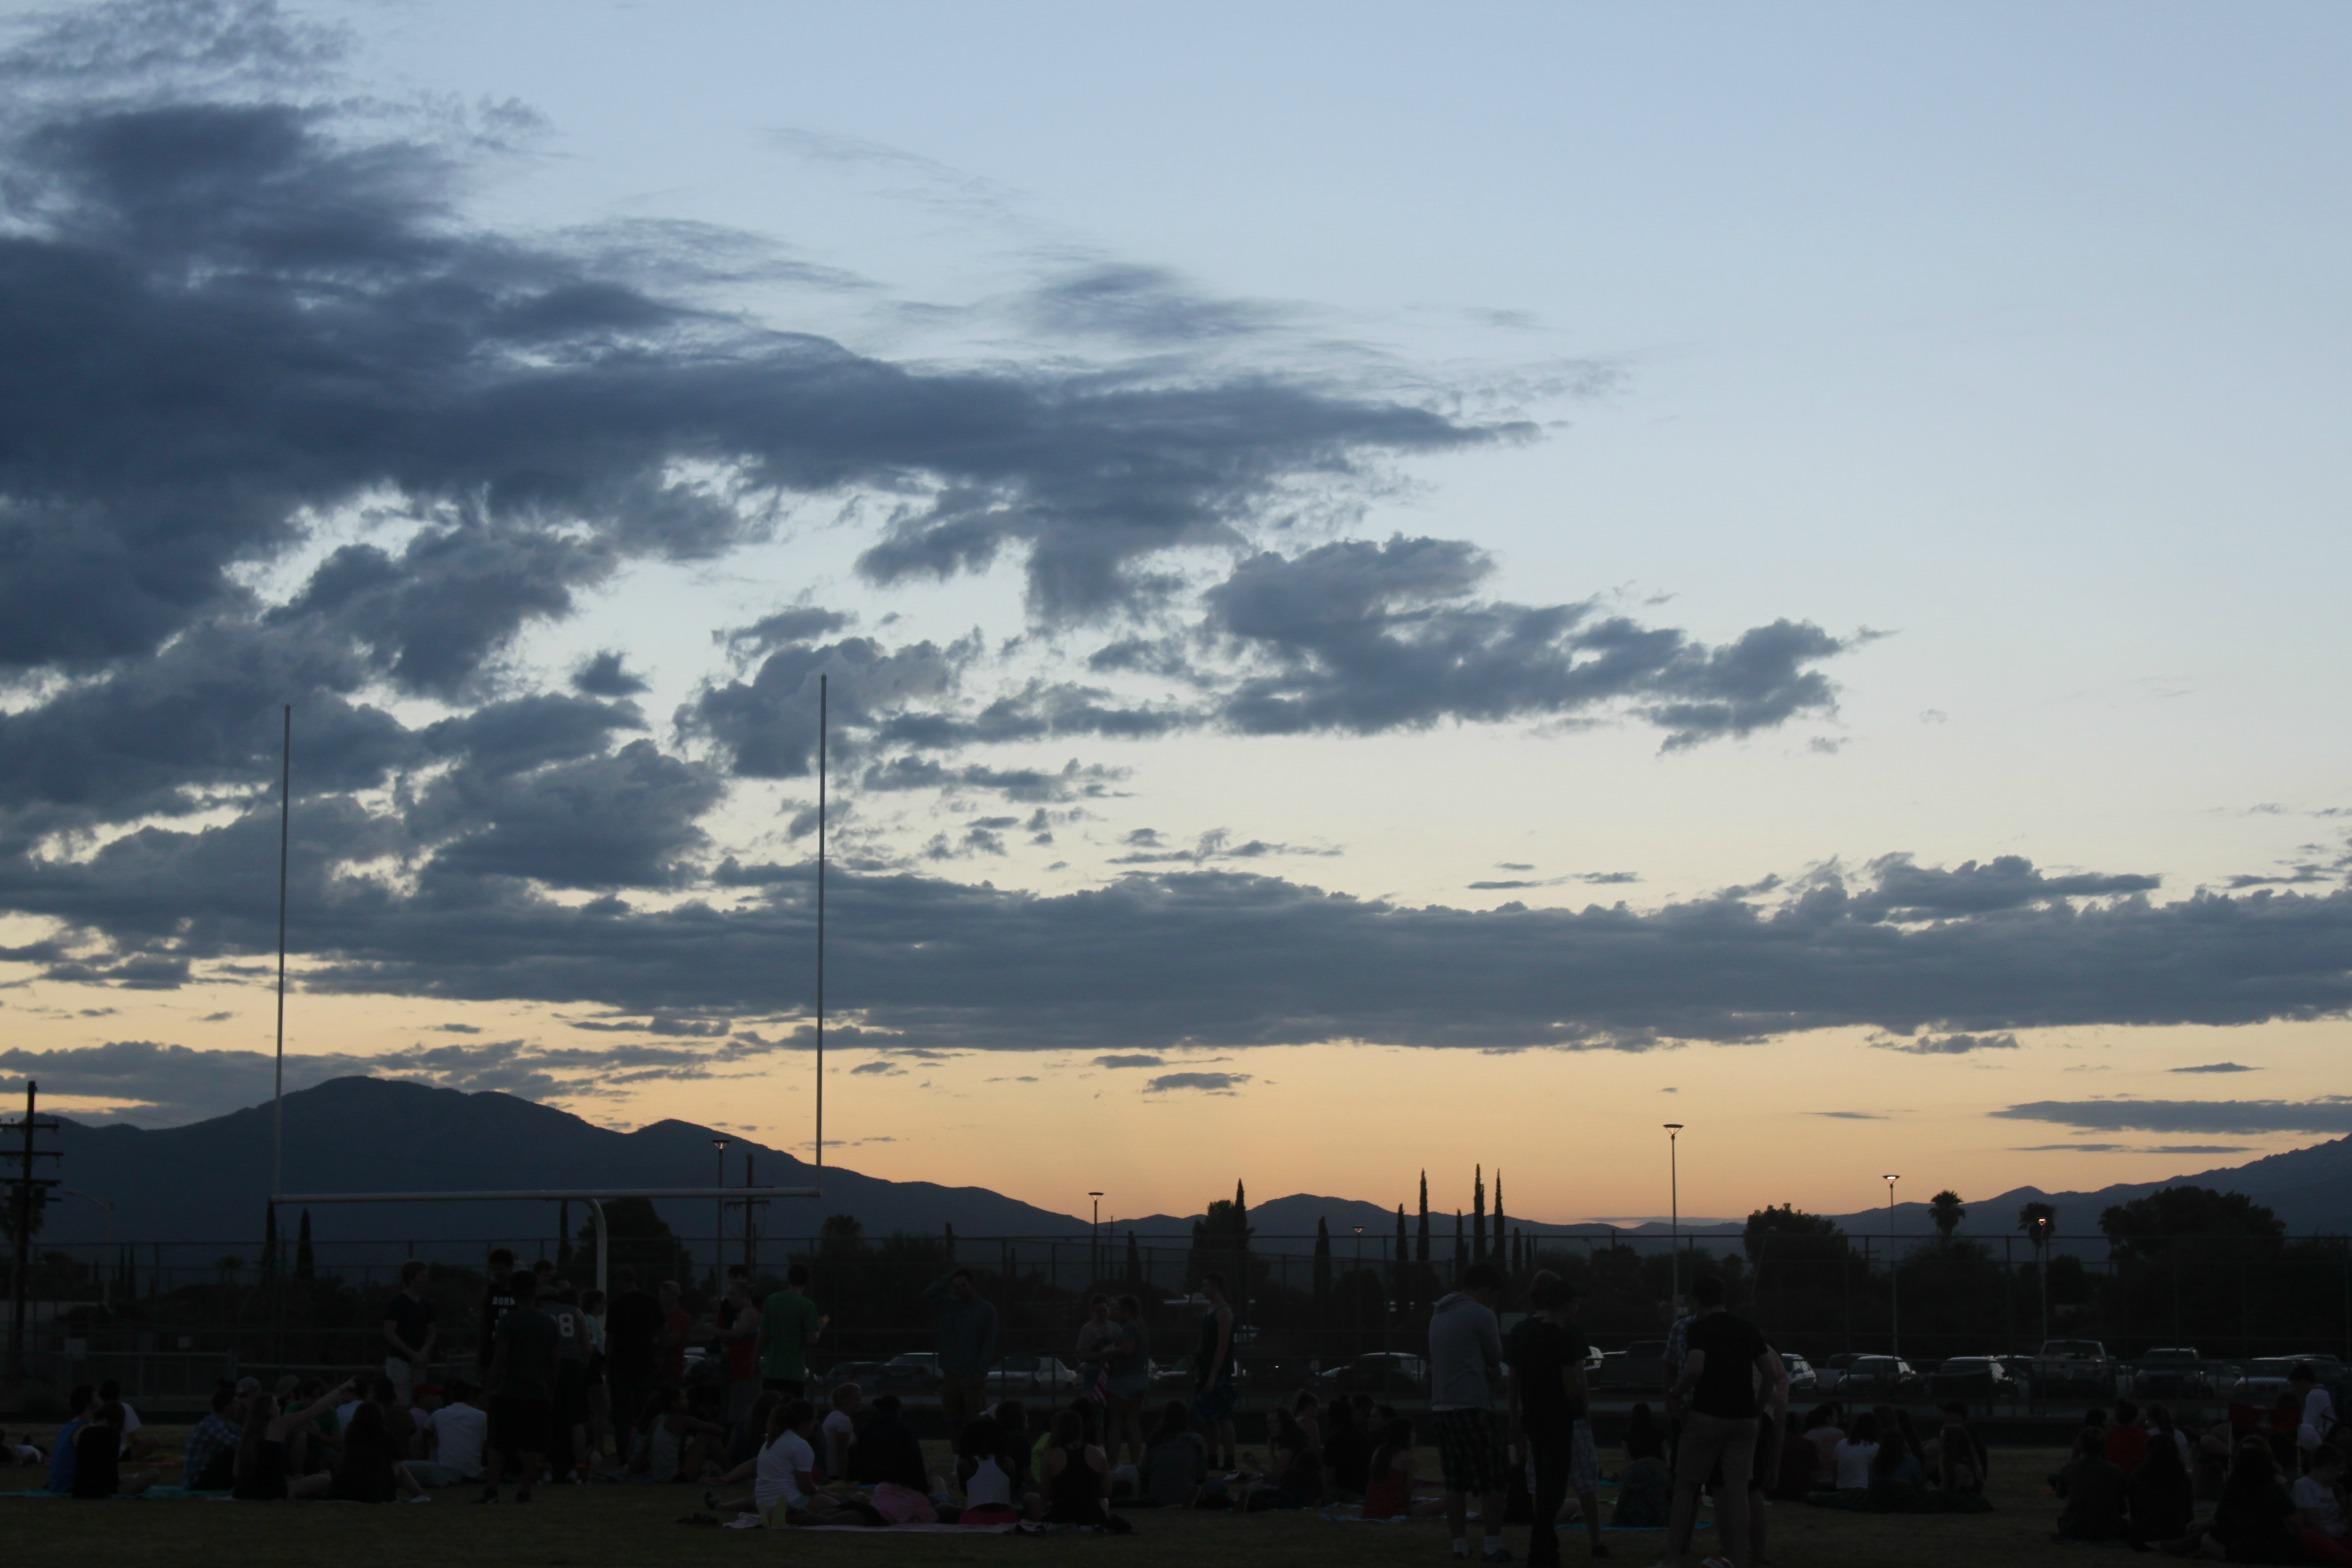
(1094, 1241)
(1674, 1194)
(2042, 1267)
(719, 1216)
(1894, 1274)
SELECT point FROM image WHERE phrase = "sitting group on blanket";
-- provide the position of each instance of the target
(2142, 1479)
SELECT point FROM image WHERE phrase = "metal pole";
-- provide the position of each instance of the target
(719, 1217)
(824, 703)
(24, 1236)
(1674, 1192)
(1894, 1278)
(285, 822)
(1094, 1242)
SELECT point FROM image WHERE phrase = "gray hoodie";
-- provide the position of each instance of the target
(1465, 1354)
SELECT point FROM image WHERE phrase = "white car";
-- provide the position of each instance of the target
(1023, 1374)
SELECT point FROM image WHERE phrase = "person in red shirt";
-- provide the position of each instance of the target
(2127, 1440)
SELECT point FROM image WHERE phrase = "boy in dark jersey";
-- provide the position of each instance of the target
(522, 1390)
(497, 1301)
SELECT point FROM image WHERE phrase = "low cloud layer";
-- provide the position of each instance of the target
(2328, 1114)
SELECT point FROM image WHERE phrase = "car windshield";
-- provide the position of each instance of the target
(1967, 1364)
(2073, 1347)
(2172, 1357)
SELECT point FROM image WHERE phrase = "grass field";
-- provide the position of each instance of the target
(625, 1526)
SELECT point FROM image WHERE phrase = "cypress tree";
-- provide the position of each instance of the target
(269, 1242)
(1478, 1212)
(1461, 1246)
(1498, 1213)
(302, 1254)
(1421, 1245)
(1322, 1270)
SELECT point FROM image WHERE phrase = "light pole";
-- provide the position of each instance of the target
(1894, 1275)
(1674, 1197)
(1094, 1242)
(719, 1216)
(2042, 1267)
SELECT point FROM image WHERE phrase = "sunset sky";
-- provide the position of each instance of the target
(1401, 587)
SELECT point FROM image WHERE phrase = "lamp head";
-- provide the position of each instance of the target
(1673, 1126)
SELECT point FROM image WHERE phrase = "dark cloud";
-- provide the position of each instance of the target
(1131, 1059)
(2331, 1114)
(2215, 1067)
(1850, 1116)
(2134, 1148)
(607, 674)
(1215, 845)
(1147, 305)
(624, 820)
(1204, 1083)
(1208, 957)
(1072, 781)
(1903, 890)
(1583, 878)
(876, 1069)
(1947, 1044)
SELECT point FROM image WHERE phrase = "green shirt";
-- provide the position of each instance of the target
(787, 1323)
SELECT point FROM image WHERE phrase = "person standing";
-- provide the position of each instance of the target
(1213, 1384)
(1548, 1413)
(1716, 1389)
(1095, 1338)
(497, 1301)
(632, 1331)
(522, 1391)
(739, 1339)
(788, 1324)
(1127, 1378)
(1465, 1364)
(409, 1332)
(567, 1436)
(967, 1347)
(677, 1327)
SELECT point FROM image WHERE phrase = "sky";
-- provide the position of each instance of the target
(1397, 591)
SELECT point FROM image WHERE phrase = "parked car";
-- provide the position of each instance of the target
(1971, 1377)
(1879, 1377)
(915, 1371)
(866, 1374)
(2175, 1372)
(1832, 1372)
(2263, 1379)
(1377, 1372)
(1175, 1377)
(1027, 1374)
(1640, 1365)
(1802, 1378)
(2073, 1366)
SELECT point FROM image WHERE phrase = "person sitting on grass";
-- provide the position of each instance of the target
(1296, 1472)
(455, 1438)
(1075, 1475)
(1800, 1462)
(1961, 1461)
(837, 1435)
(370, 1470)
(2318, 1496)
(1176, 1461)
(1857, 1454)
(1895, 1468)
(209, 1461)
(673, 1443)
(783, 1480)
(2255, 1520)
(80, 1406)
(271, 1448)
(1388, 1484)
(984, 1475)
(1012, 1417)
(97, 1470)
(1645, 1488)
(2162, 1498)
(2095, 1491)
(1825, 1431)
(888, 1452)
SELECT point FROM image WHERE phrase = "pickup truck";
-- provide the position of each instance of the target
(2072, 1366)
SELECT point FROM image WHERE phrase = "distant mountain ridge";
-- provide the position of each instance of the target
(204, 1183)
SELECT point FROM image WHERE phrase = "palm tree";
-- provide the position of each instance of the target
(2037, 1220)
(1947, 1211)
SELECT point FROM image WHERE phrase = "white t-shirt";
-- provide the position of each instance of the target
(130, 1424)
(781, 1465)
(838, 1433)
(2316, 1498)
(989, 1486)
(2319, 1414)
(1853, 1465)
(459, 1432)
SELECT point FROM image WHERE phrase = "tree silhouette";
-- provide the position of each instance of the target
(1135, 1280)
(1498, 1248)
(1461, 1246)
(1322, 1271)
(1947, 1211)
(305, 1262)
(1421, 1245)
(1478, 1213)
(2039, 1221)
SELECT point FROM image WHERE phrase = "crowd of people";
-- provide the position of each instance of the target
(567, 1387)
(2229, 1490)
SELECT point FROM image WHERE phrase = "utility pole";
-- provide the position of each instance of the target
(29, 1193)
